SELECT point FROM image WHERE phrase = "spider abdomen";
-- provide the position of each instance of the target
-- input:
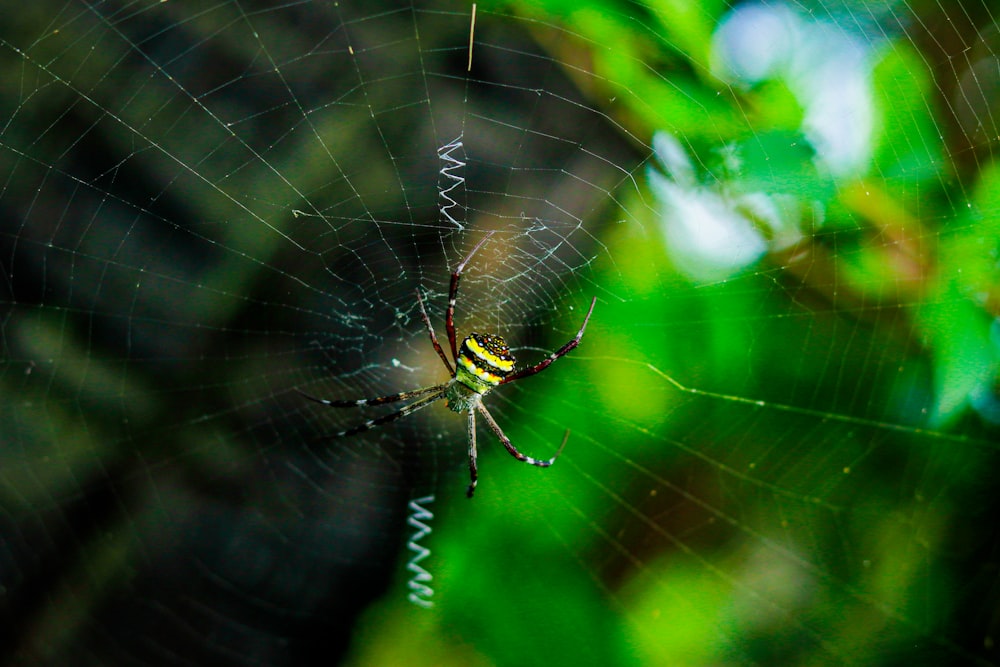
(484, 360)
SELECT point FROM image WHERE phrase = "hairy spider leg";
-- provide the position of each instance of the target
(434, 339)
(361, 402)
(449, 320)
(399, 414)
(562, 351)
(473, 472)
(505, 441)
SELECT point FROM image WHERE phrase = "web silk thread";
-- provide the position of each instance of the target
(450, 165)
(420, 592)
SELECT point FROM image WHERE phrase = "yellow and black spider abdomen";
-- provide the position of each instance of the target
(484, 360)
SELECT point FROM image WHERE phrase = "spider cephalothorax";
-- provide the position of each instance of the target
(482, 363)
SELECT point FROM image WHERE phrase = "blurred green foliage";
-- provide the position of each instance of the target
(813, 527)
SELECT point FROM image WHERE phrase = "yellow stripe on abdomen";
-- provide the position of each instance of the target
(504, 364)
(484, 360)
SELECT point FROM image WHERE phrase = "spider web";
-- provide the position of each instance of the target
(783, 415)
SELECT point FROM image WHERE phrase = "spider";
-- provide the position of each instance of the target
(482, 363)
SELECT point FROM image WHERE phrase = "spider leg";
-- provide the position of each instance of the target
(430, 330)
(361, 402)
(473, 472)
(505, 441)
(449, 319)
(562, 351)
(399, 414)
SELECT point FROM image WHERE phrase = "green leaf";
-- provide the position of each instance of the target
(908, 141)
